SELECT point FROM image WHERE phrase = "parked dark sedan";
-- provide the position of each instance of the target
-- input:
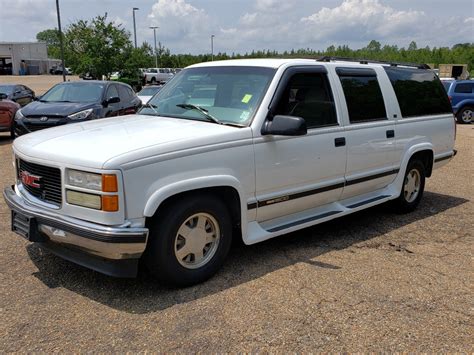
(76, 101)
(21, 94)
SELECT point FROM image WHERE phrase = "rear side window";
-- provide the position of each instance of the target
(125, 93)
(419, 92)
(363, 95)
(464, 88)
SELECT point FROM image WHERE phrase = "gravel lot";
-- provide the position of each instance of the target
(373, 281)
(38, 83)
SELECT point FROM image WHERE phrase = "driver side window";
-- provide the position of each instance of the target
(308, 96)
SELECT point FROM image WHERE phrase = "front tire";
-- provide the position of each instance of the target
(412, 189)
(189, 240)
(464, 116)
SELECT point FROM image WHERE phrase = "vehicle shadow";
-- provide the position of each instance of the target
(244, 264)
(5, 139)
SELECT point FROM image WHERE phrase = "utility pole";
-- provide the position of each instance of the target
(135, 26)
(61, 42)
(212, 47)
(156, 52)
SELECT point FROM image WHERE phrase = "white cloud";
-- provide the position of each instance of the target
(36, 15)
(179, 20)
(361, 19)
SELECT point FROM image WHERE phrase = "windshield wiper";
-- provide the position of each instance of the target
(152, 106)
(204, 112)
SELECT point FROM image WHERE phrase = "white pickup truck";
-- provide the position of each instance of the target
(248, 149)
(158, 75)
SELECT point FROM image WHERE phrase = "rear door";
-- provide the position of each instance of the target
(370, 134)
(127, 100)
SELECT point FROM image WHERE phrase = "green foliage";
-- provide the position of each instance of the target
(51, 37)
(98, 46)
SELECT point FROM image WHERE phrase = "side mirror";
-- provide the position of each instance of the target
(37, 98)
(112, 100)
(282, 125)
(3, 96)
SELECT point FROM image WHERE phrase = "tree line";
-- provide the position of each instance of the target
(100, 46)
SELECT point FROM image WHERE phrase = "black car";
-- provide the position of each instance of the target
(21, 94)
(76, 101)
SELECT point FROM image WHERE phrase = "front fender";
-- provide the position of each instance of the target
(164, 192)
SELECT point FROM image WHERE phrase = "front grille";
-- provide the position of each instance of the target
(38, 127)
(49, 181)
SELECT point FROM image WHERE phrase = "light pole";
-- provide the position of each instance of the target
(135, 26)
(212, 47)
(61, 43)
(154, 37)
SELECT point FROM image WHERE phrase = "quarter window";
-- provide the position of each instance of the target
(464, 88)
(308, 96)
(363, 95)
(419, 92)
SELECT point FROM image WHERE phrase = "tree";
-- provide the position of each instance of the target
(51, 37)
(98, 46)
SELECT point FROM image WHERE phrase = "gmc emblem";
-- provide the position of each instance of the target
(30, 180)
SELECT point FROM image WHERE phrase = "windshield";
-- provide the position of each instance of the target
(6, 89)
(149, 91)
(225, 94)
(72, 92)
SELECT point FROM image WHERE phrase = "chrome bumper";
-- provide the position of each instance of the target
(80, 241)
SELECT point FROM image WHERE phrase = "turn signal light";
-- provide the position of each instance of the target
(110, 203)
(109, 183)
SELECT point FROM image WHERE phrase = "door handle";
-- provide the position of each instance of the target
(340, 141)
(390, 133)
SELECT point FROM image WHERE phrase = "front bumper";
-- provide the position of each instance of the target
(113, 251)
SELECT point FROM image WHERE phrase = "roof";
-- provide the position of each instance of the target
(276, 63)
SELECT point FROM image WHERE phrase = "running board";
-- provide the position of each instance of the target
(365, 202)
(302, 221)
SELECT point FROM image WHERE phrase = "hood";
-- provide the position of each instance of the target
(56, 108)
(96, 143)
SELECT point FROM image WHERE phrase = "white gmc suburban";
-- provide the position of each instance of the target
(247, 149)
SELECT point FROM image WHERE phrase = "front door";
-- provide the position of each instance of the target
(294, 174)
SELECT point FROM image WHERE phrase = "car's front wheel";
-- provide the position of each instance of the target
(189, 240)
(465, 115)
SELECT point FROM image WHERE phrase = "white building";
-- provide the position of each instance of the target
(22, 58)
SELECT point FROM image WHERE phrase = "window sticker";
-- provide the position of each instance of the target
(244, 115)
(246, 98)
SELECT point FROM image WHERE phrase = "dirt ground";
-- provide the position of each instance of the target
(38, 83)
(373, 281)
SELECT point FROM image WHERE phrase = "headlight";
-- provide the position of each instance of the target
(80, 115)
(92, 181)
(19, 115)
(96, 182)
(84, 199)
(82, 179)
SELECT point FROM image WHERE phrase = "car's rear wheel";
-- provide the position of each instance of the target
(189, 240)
(412, 189)
(465, 115)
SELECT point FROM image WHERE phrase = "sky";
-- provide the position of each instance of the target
(241, 26)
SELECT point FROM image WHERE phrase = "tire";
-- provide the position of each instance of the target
(153, 80)
(174, 259)
(464, 116)
(412, 189)
(12, 132)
